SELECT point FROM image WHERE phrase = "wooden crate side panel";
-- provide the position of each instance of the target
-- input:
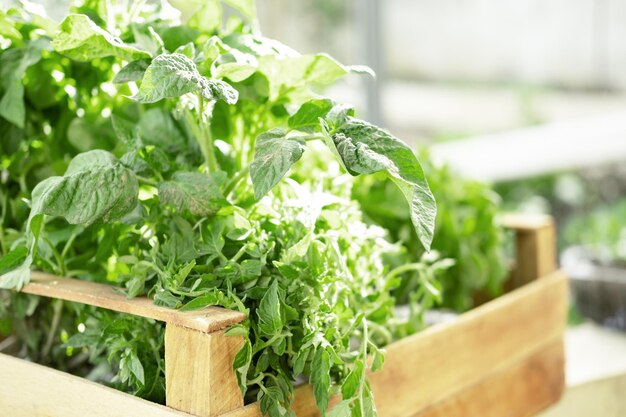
(428, 367)
(520, 390)
(31, 390)
(199, 376)
(107, 296)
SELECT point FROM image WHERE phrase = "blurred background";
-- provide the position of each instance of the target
(529, 96)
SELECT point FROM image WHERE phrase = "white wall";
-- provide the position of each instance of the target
(568, 43)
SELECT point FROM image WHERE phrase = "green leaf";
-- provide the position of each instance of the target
(14, 258)
(94, 187)
(7, 27)
(270, 321)
(365, 149)
(293, 72)
(379, 360)
(12, 104)
(352, 383)
(134, 71)
(307, 118)
(126, 131)
(342, 409)
(18, 277)
(157, 127)
(175, 75)
(194, 193)
(274, 154)
(320, 378)
(243, 357)
(245, 7)
(205, 15)
(206, 300)
(13, 66)
(81, 39)
(136, 368)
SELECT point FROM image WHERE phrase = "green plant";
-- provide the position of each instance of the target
(467, 233)
(602, 232)
(163, 155)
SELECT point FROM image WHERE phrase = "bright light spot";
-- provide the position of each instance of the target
(80, 112)
(70, 90)
(133, 88)
(106, 112)
(146, 193)
(108, 88)
(36, 144)
(57, 75)
(4, 42)
(81, 328)
(47, 129)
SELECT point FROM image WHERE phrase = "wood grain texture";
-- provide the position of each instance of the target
(521, 390)
(199, 375)
(536, 253)
(446, 359)
(31, 390)
(106, 296)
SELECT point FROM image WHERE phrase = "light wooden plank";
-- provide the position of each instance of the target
(446, 359)
(31, 390)
(199, 376)
(536, 252)
(521, 390)
(209, 319)
(526, 221)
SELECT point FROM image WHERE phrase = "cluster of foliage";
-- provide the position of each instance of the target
(155, 148)
(467, 227)
(602, 232)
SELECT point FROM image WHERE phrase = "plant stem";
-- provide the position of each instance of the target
(236, 180)
(364, 353)
(146, 181)
(54, 326)
(206, 139)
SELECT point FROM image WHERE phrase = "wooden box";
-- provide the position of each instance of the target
(503, 358)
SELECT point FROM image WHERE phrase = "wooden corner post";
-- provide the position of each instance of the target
(535, 247)
(199, 375)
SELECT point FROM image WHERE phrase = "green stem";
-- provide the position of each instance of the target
(236, 180)
(54, 326)
(146, 181)
(206, 139)
(364, 353)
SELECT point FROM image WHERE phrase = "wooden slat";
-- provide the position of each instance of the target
(31, 390)
(209, 319)
(521, 390)
(526, 222)
(428, 367)
(535, 245)
(199, 376)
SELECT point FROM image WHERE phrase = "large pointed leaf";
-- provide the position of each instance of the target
(365, 149)
(274, 154)
(194, 193)
(81, 39)
(173, 75)
(95, 187)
